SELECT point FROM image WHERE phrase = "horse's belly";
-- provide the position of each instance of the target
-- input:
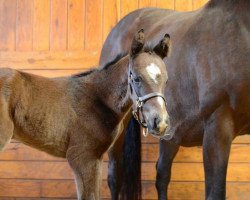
(51, 146)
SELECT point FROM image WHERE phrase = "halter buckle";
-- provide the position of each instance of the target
(139, 103)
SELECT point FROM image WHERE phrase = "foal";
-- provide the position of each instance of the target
(80, 117)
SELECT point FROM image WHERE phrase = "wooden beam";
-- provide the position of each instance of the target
(49, 60)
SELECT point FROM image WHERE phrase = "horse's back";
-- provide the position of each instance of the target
(120, 38)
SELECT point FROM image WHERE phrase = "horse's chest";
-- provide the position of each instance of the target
(188, 133)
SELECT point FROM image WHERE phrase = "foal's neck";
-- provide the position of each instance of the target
(112, 85)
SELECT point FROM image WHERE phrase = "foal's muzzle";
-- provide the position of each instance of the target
(158, 126)
(140, 101)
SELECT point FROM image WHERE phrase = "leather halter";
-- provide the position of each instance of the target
(141, 100)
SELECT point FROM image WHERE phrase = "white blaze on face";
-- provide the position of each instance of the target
(153, 71)
(161, 102)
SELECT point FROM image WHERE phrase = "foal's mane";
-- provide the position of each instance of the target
(147, 48)
(82, 74)
(86, 73)
(116, 59)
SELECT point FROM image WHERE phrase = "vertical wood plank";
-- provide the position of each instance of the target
(41, 26)
(183, 5)
(7, 25)
(167, 4)
(76, 23)
(128, 6)
(198, 3)
(58, 33)
(110, 16)
(93, 38)
(24, 25)
(147, 3)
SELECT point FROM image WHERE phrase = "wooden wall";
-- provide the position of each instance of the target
(61, 37)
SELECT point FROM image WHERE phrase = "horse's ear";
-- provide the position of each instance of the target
(163, 47)
(137, 43)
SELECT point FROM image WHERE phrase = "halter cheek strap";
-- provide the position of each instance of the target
(140, 101)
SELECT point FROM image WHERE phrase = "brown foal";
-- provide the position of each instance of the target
(79, 117)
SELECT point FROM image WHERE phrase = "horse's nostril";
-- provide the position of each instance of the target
(157, 121)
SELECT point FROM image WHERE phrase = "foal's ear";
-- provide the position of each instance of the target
(163, 47)
(137, 43)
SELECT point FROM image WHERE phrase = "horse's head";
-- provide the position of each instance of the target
(147, 80)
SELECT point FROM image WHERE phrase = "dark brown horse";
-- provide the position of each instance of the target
(79, 117)
(208, 91)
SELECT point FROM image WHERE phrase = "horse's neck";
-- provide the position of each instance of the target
(112, 86)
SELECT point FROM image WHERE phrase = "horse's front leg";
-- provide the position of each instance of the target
(87, 170)
(168, 152)
(115, 169)
(218, 136)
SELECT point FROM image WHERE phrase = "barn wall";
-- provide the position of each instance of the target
(62, 37)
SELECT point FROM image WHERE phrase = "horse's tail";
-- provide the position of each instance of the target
(131, 188)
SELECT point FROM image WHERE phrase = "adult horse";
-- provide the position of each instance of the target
(208, 91)
(79, 117)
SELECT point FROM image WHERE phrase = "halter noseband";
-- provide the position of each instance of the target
(141, 100)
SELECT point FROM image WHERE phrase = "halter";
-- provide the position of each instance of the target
(141, 100)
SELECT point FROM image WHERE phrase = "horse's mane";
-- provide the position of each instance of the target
(86, 73)
(117, 58)
(147, 48)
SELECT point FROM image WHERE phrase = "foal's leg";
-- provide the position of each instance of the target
(168, 152)
(115, 170)
(217, 141)
(6, 125)
(87, 170)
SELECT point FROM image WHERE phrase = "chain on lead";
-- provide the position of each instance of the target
(145, 131)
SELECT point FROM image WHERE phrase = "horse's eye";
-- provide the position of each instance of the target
(137, 79)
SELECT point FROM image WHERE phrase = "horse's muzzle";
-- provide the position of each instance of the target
(158, 127)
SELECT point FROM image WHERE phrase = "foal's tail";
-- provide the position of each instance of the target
(131, 188)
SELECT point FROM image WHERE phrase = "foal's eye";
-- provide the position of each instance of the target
(137, 79)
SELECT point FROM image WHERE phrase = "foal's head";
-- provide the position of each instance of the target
(147, 80)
